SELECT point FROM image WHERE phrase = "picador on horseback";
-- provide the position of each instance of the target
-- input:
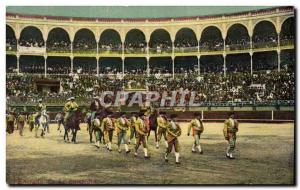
(72, 119)
(70, 108)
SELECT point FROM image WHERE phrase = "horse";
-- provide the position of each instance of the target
(42, 124)
(153, 126)
(73, 124)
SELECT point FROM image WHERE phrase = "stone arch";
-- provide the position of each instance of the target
(160, 40)
(11, 40)
(84, 40)
(287, 31)
(31, 36)
(58, 39)
(107, 37)
(211, 39)
(185, 37)
(237, 37)
(135, 40)
(264, 34)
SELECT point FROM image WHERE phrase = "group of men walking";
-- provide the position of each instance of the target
(104, 123)
(20, 119)
(136, 128)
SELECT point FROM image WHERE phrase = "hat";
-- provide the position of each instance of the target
(72, 98)
(96, 97)
(68, 99)
(39, 100)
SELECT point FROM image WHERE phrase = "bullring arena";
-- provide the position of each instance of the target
(238, 61)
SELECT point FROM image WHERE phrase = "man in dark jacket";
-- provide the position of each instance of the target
(95, 107)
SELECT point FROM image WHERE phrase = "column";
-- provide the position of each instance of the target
(148, 57)
(278, 51)
(123, 59)
(279, 59)
(123, 66)
(173, 67)
(251, 62)
(173, 57)
(18, 57)
(251, 43)
(224, 56)
(199, 58)
(97, 58)
(18, 63)
(17, 45)
(71, 47)
(224, 66)
(251, 55)
(123, 49)
(71, 57)
(148, 67)
(45, 58)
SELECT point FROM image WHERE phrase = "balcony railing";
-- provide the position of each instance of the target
(110, 50)
(85, 51)
(185, 49)
(11, 47)
(60, 100)
(160, 50)
(211, 48)
(154, 51)
(135, 51)
(258, 45)
(287, 42)
(233, 47)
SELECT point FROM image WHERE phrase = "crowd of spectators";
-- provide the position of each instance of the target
(159, 46)
(265, 41)
(135, 47)
(237, 44)
(11, 44)
(211, 45)
(210, 87)
(110, 46)
(287, 39)
(58, 46)
(84, 45)
(32, 67)
(55, 67)
(32, 42)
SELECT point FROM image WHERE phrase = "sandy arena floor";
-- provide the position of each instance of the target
(264, 155)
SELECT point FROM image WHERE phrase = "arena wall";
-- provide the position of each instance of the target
(267, 115)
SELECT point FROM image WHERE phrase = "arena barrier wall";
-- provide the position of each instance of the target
(207, 115)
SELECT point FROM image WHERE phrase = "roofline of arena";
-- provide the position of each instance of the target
(163, 19)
